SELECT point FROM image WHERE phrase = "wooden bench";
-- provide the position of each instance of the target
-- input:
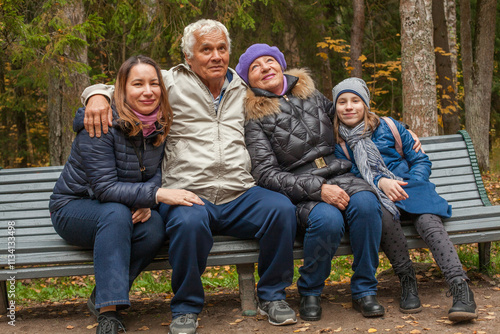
(39, 252)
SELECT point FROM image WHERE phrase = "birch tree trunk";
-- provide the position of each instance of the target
(357, 32)
(477, 64)
(65, 87)
(418, 70)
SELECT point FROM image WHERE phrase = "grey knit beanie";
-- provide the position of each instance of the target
(352, 85)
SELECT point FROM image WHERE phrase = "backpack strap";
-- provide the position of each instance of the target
(344, 148)
(395, 133)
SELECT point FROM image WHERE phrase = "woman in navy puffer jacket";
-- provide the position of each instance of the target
(106, 194)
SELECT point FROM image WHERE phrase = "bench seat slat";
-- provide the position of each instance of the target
(450, 163)
(447, 155)
(26, 197)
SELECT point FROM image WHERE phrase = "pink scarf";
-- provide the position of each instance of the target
(147, 121)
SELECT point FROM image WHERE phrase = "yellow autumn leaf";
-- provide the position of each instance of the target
(362, 58)
(372, 330)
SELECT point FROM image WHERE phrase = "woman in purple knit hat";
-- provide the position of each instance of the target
(289, 136)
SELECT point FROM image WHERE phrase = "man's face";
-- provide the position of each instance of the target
(210, 57)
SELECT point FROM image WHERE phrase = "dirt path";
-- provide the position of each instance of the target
(222, 314)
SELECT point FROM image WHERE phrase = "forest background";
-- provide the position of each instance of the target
(433, 64)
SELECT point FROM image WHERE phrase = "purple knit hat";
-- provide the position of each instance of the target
(255, 51)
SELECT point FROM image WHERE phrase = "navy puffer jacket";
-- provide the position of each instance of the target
(108, 168)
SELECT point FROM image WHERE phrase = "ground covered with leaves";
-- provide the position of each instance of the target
(223, 315)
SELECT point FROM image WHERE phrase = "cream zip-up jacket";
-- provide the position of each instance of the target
(205, 151)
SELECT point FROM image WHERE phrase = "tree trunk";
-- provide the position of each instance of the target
(357, 33)
(450, 12)
(446, 87)
(477, 63)
(326, 75)
(64, 90)
(418, 70)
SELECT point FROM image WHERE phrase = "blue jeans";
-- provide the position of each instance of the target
(257, 214)
(121, 249)
(323, 235)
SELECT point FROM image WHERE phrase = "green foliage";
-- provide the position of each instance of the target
(37, 44)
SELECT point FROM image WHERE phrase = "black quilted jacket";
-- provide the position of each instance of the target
(285, 134)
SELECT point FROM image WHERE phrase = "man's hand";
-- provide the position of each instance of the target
(418, 145)
(141, 215)
(334, 195)
(393, 189)
(178, 197)
(97, 113)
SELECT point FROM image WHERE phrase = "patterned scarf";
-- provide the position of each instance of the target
(369, 160)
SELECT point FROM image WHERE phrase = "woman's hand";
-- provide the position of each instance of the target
(97, 113)
(393, 189)
(141, 215)
(334, 195)
(178, 197)
(418, 145)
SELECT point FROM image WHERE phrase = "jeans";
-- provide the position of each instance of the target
(325, 230)
(258, 214)
(121, 249)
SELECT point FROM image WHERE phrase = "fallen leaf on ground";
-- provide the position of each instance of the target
(70, 327)
(303, 329)
(372, 330)
(143, 328)
(92, 326)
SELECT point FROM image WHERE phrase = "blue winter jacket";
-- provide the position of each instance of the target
(108, 168)
(414, 168)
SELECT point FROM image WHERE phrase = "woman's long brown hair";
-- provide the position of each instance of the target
(129, 120)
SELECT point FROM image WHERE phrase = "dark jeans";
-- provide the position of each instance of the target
(257, 214)
(325, 230)
(121, 249)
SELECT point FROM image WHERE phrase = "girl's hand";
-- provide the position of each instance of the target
(178, 197)
(393, 189)
(334, 195)
(141, 215)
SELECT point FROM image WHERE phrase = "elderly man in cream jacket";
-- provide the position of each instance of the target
(206, 154)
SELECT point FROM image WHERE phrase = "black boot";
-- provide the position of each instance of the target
(310, 308)
(368, 306)
(464, 306)
(409, 303)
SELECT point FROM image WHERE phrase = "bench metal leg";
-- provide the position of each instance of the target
(246, 282)
(4, 301)
(484, 255)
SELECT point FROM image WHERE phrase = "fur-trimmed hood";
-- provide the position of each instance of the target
(260, 103)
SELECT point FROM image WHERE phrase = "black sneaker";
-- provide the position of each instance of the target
(464, 306)
(278, 312)
(184, 324)
(92, 309)
(108, 323)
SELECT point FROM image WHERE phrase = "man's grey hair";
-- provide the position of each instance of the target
(201, 27)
